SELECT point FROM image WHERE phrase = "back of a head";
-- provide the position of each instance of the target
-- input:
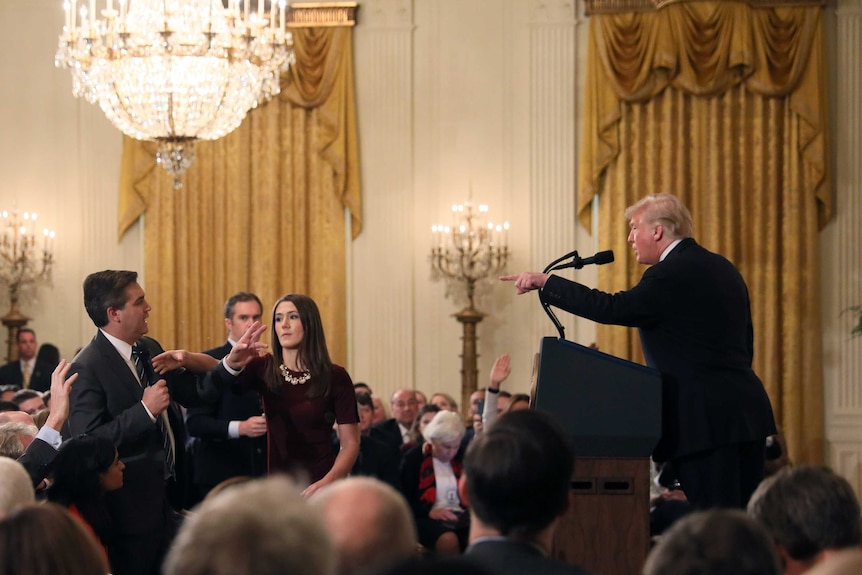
(715, 542)
(77, 469)
(11, 434)
(45, 539)
(16, 489)
(369, 522)
(807, 509)
(261, 527)
(518, 473)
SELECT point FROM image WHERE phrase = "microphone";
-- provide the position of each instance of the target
(578, 262)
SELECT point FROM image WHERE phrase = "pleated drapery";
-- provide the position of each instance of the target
(261, 209)
(724, 105)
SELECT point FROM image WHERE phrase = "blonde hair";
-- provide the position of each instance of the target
(665, 209)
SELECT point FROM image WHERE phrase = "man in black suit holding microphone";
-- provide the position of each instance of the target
(118, 395)
(692, 310)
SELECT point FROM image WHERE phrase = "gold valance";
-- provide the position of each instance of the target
(703, 49)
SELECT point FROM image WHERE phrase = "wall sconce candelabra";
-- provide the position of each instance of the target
(466, 253)
(25, 260)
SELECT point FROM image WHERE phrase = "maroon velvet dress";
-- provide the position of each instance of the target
(300, 427)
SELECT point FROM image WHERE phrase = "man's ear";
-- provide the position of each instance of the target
(227, 324)
(658, 232)
(462, 490)
(113, 314)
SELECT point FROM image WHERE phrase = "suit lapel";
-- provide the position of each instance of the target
(120, 371)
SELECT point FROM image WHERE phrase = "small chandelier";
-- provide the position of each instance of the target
(176, 71)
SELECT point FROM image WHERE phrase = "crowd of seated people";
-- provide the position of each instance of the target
(429, 504)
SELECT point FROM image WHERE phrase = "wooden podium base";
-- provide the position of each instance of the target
(606, 529)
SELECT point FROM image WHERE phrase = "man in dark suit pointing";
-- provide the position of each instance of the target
(692, 310)
(118, 395)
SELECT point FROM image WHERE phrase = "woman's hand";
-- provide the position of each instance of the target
(247, 348)
(443, 514)
(499, 371)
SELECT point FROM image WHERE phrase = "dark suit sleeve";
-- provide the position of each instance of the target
(636, 307)
(37, 460)
(204, 422)
(91, 413)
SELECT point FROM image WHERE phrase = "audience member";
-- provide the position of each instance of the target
(518, 401)
(86, 468)
(715, 542)
(41, 452)
(421, 400)
(361, 386)
(810, 513)
(26, 371)
(429, 479)
(41, 417)
(369, 522)
(444, 401)
(376, 458)
(516, 484)
(380, 413)
(493, 408)
(262, 527)
(29, 401)
(15, 437)
(45, 540)
(303, 392)
(48, 354)
(7, 391)
(846, 562)
(230, 431)
(16, 488)
(119, 396)
(395, 432)
(423, 418)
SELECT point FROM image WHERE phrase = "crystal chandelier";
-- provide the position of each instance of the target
(176, 71)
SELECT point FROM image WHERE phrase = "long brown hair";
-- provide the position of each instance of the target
(312, 352)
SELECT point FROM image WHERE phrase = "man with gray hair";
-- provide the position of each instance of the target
(369, 523)
(15, 437)
(263, 527)
(15, 486)
(693, 315)
(810, 512)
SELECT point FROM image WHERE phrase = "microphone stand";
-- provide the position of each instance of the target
(545, 305)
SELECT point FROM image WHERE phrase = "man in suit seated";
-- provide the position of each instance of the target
(118, 395)
(516, 484)
(395, 432)
(810, 512)
(230, 433)
(29, 401)
(26, 372)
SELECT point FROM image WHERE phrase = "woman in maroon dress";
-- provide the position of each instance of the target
(303, 393)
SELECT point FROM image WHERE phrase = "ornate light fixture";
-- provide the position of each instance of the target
(466, 253)
(176, 71)
(23, 263)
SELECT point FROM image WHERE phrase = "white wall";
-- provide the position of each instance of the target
(60, 158)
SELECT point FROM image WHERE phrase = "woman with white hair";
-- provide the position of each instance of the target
(429, 478)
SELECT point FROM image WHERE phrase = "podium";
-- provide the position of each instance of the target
(611, 409)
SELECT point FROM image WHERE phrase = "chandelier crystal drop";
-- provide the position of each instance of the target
(176, 71)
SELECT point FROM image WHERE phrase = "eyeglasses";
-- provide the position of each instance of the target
(411, 403)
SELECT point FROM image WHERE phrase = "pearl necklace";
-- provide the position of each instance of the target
(291, 379)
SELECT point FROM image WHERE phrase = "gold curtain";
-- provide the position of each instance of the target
(261, 209)
(724, 105)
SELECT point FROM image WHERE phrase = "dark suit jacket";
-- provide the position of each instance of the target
(106, 400)
(389, 433)
(217, 456)
(37, 460)
(508, 557)
(693, 314)
(40, 379)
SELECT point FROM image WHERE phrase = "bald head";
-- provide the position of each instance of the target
(404, 406)
(369, 522)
